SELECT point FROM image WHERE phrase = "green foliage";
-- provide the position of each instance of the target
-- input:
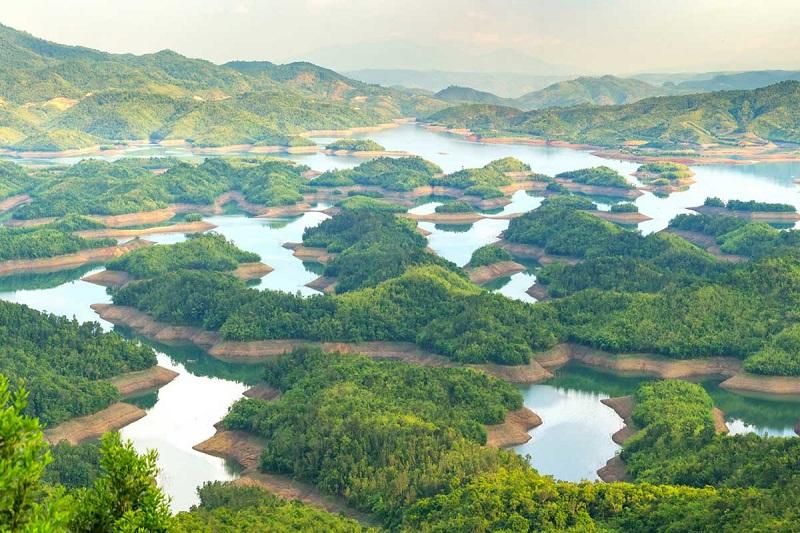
(395, 174)
(600, 176)
(25, 504)
(64, 364)
(663, 170)
(125, 496)
(207, 251)
(409, 428)
(625, 207)
(488, 255)
(372, 246)
(13, 179)
(45, 241)
(102, 188)
(355, 145)
(780, 357)
(678, 444)
(364, 202)
(73, 465)
(455, 207)
(750, 205)
(561, 230)
(76, 98)
(225, 507)
(664, 122)
(484, 181)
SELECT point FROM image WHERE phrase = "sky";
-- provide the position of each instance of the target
(575, 36)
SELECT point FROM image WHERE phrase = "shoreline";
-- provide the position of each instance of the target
(486, 273)
(245, 449)
(755, 216)
(254, 352)
(68, 261)
(513, 431)
(623, 406)
(723, 156)
(117, 415)
(121, 233)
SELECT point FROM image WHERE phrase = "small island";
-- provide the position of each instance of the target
(360, 148)
(665, 177)
(749, 210)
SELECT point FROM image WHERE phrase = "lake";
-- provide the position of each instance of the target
(575, 438)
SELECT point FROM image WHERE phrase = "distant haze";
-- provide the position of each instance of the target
(542, 37)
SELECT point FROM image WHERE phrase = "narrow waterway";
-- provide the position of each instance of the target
(574, 440)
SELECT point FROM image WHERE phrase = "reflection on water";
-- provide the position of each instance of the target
(184, 416)
(71, 299)
(574, 439)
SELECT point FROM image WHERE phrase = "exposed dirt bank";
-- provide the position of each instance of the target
(760, 216)
(307, 253)
(614, 469)
(639, 364)
(262, 391)
(112, 418)
(13, 201)
(367, 154)
(145, 325)
(63, 262)
(250, 271)
(117, 233)
(707, 243)
(513, 431)
(358, 129)
(134, 383)
(538, 292)
(108, 278)
(246, 450)
(486, 273)
(324, 284)
(777, 385)
(529, 251)
(143, 218)
(258, 351)
(620, 218)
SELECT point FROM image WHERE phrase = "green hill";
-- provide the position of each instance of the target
(467, 95)
(88, 95)
(605, 90)
(729, 117)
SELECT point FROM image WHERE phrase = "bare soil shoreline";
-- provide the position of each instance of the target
(487, 273)
(63, 262)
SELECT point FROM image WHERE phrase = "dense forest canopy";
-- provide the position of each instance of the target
(96, 187)
(63, 364)
(662, 122)
(209, 251)
(55, 97)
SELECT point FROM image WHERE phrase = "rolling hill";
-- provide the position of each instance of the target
(56, 97)
(736, 118)
(605, 90)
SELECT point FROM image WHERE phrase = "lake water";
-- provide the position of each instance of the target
(574, 440)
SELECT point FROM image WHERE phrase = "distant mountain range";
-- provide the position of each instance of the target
(612, 90)
(750, 117)
(56, 97)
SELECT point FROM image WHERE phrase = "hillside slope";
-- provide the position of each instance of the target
(732, 118)
(92, 97)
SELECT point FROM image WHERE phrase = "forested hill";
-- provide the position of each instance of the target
(455, 93)
(768, 114)
(605, 90)
(57, 97)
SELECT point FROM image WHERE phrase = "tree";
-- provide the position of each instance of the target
(125, 497)
(26, 504)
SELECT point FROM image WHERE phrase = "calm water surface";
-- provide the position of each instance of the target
(574, 440)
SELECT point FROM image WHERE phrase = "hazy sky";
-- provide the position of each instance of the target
(614, 36)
